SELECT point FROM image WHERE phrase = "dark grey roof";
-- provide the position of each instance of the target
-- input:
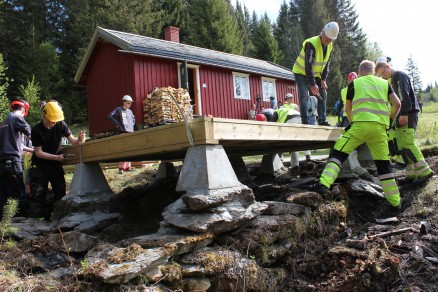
(138, 44)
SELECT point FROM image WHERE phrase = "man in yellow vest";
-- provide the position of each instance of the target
(289, 113)
(367, 109)
(311, 69)
(406, 124)
(345, 122)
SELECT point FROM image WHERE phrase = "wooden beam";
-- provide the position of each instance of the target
(170, 142)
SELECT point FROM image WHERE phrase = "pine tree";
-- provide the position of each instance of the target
(4, 83)
(313, 17)
(265, 45)
(288, 33)
(414, 75)
(243, 21)
(213, 28)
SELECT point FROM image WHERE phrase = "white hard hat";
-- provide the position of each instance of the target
(127, 98)
(289, 95)
(331, 30)
(381, 60)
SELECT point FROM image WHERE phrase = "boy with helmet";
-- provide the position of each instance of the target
(11, 169)
(124, 120)
(47, 159)
(311, 69)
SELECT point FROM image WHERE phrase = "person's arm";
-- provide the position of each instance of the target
(402, 86)
(325, 74)
(309, 57)
(274, 117)
(38, 151)
(114, 117)
(349, 101)
(76, 141)
(395, 103)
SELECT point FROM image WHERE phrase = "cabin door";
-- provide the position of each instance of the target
(189, 79)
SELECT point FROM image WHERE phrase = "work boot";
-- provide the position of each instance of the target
(320, 189)
(423, 179)
(325, 123)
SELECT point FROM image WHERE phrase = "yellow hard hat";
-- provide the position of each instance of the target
(53, 112)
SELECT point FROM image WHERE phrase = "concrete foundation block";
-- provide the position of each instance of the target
(206, 167)
(166, 170)
(271, 164)
(88, 178)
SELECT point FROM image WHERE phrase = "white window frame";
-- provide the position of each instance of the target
(267, 94)
(245, 78)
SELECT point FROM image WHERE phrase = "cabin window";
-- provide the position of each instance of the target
(269, 89)
(241, 85)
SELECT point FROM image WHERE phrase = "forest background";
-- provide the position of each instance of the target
(43, 41)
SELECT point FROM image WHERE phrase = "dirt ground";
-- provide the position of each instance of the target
(340, 252)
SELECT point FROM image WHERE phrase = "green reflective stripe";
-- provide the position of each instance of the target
(392, 192)
(425, 170)
(329, 173)
(333, 166)
(386, 176)
(367, 110)
(368, 99)
(299, 65)
(420, 163)
(386, 184)
(335, 161)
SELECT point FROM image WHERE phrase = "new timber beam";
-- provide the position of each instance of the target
(170, 142)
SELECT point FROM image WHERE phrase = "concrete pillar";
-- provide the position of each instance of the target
(88, 178)
(206, 167)
(271, 163)
(241, 170)
(166, 170)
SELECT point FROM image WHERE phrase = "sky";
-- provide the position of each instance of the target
(402, 28)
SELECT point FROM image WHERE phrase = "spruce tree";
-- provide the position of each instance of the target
(265, 45)
(414, 75)
(213, 28)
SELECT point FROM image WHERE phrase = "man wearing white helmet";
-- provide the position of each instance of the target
(124, 120)
(311, 69)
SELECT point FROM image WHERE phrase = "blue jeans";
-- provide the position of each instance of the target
(303, 92)
(321, 103)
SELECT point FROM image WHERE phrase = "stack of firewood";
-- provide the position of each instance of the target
(159, 108)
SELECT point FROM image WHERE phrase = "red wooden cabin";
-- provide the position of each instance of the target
(220, 84)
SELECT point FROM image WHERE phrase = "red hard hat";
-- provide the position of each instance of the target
(352, 76)
(260, 117)
(21, 103)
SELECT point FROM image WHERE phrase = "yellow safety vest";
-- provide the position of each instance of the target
(344, 98)
(370, 102)
(319, 62)
(285, 111)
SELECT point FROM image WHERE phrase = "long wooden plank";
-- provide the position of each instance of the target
(237, 136)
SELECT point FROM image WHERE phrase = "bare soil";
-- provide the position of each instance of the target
(339, 252)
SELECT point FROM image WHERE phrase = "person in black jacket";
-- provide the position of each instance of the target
(406, 123)
(11, 169)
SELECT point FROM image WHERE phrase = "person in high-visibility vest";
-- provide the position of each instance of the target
(367, 109)
(289, 113)
(311, 69)
(406, 123)
(345, 122)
